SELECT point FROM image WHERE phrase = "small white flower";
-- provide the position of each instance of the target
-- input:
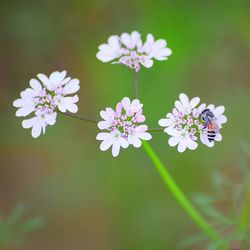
(113, 139)
(25, 104)
(122, 126)
(137, 134)
(171, 120)
(39, 123)
(197, 111)
(184, 105)
(185, 123)
(182, 138)
(44, 97)
(156, 49)
(131, 107)
(128, 49)
(110, 51)
(67, 103)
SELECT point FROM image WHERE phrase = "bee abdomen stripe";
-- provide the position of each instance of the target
(211, 132)
(211, 135)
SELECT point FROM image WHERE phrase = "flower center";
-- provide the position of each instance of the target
(187, 123)
(123, 126)
(132, 59)
(46, 101)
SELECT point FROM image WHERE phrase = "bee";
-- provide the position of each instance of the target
(209, 120)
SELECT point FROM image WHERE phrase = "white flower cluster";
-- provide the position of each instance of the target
(122, 126)
(188, 120)
(44, 98)
(185, 123)
(128, 49)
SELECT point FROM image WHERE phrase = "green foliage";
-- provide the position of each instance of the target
(14, 228)
(228, 209)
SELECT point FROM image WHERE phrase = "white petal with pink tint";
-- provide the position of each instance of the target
(44, 97)
(185, 123)
(110, 51)
(128, 49)
(122, 125)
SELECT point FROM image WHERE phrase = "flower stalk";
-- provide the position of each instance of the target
(155, 130)
(245, 212)
(79, 117)
(135, 85)
(179, 195)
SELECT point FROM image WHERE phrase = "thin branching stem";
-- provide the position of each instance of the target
(95, 122)
(135, 85)
(80, 118)
(155, 130)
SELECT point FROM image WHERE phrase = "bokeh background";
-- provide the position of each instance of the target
(89, 199)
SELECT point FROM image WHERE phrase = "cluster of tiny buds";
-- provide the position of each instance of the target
(132, 60)
(45, 102)
(123, 126)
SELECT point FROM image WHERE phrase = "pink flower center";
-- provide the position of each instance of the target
(124, 125)
(46, 101)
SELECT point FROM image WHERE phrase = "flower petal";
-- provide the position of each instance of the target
(194, 102)
(106, 144)
(192, 144)
(219, 111)
(116, 148)
(172, 132)
(182, 146)
(36, 129)
(102, 136)
(173, 141)
(145, 136)
(164, 122)
(184, 100)
(36, 85)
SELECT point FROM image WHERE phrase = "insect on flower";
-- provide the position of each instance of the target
(212, 119)
(188, 120)
(210, 123)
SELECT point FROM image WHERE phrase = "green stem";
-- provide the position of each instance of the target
(245, 212)
(178, 194)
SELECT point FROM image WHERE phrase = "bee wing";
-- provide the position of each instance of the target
(213, 126)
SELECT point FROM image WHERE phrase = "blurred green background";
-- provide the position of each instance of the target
(89, 199)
